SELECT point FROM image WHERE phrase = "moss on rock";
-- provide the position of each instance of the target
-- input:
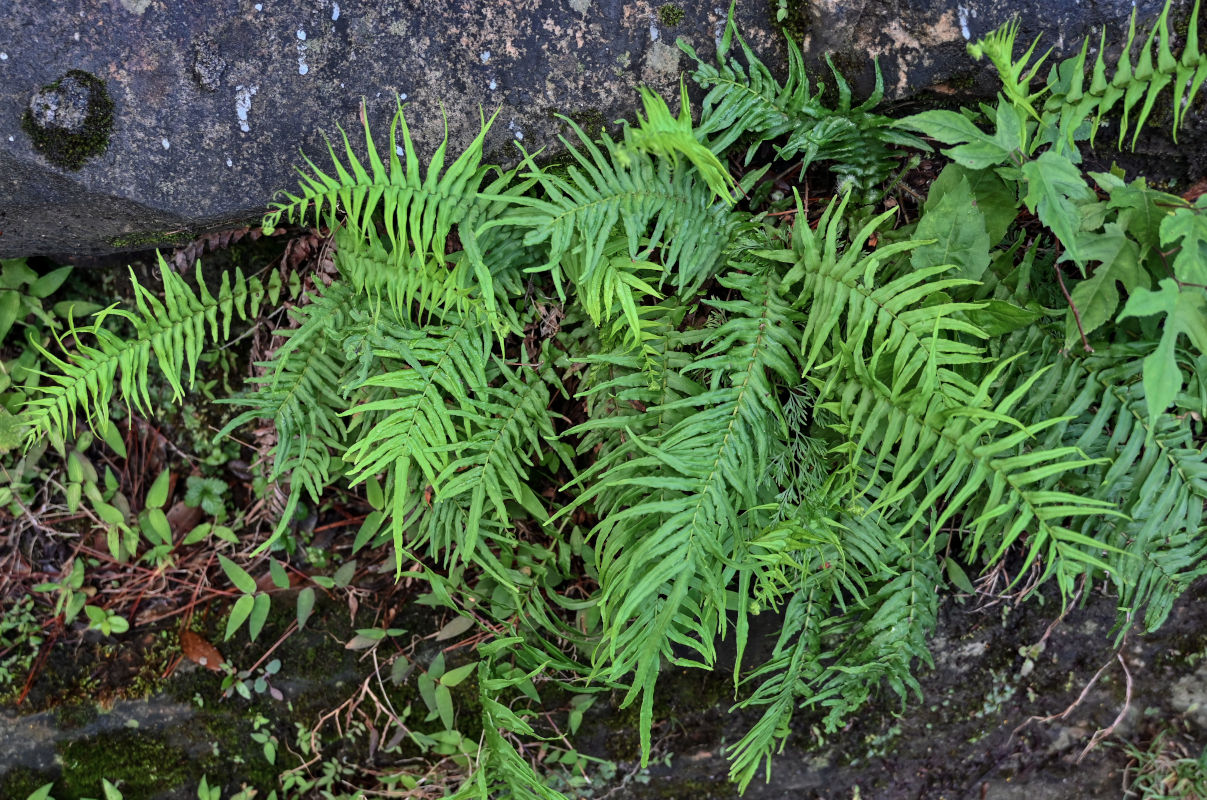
(70, 121)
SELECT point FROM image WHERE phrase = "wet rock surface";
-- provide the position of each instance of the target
(212, 99)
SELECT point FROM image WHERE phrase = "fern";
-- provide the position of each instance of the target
(172, 332)
(418, 210)
(750, 104)
(661, 206)
(1131, 89)
(666, 550)
(1156, 472)
(439, 367)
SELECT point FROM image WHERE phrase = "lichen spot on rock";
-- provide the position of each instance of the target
(69, 121)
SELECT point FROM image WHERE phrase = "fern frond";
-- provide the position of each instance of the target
(301, 395)
(662, 134)
(1155, 471)
(171, 332)
(492, 464)
(672, 503)
(443, 371)
(903, 406)
(882, 640)
(419, 208)
(665, 213)
(828, 605)
(1139, 87)
(749, 103)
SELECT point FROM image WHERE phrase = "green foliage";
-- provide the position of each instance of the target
(1165, 770)
(630, 413)
(748, 105)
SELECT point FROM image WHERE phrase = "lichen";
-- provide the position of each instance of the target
(68, 147)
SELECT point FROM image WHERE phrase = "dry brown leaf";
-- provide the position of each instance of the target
(199, 651)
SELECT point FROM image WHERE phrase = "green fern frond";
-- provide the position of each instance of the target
(171, 332)
(492, 465)
(881, 641)
(828, 605)
(671, 504)
(419, 208)
(664, 211)
(1146, 81)
(662, 134)
(751, 104)
(1156, 472)
(1070, 102)
(302, 395)
(443, 370)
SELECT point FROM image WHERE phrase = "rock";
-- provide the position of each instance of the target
(212, 99)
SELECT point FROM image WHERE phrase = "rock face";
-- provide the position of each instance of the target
(134, 123)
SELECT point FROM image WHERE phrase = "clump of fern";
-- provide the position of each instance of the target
(827, 416)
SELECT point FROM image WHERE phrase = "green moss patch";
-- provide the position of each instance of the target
(70, 121)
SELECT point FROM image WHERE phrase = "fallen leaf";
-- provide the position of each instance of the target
(199, 651)
(456, 627)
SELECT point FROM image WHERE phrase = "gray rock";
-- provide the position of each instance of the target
(212, 98)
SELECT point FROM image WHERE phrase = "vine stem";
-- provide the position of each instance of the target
(1060, 277)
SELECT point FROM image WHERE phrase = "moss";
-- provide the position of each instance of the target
(234, 759)
(145, 240)
(72, 716)
(141, 765)
(69, 149)
(670, 14)
(20, 782)
(795, 21)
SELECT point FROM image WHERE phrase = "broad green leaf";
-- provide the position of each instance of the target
(239, 613)
(155, 523)
(118, 624)
(111, 792)
(978, 155)
(12, 430)
(946, 126)
(1185, 312)
(10, 307)
(1097, 297)
(1055, 189)
(48, 283)
(997, 317)
(454, 627)
(157, 495)
(995, 200)
(444, 705)
(305, 605)
(238, 576)
(958, 228)
(343, 576)
(258, 616)
(280, 578)
(1188, 228)
(108, 514)
(399, 670)
(455, 676)
(113, 438)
